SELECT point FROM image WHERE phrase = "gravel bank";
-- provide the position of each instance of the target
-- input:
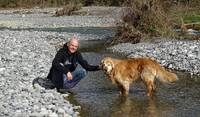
(25, 56)
(178, 55)
(37, 18)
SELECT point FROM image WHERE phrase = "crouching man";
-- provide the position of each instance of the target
(64, 72)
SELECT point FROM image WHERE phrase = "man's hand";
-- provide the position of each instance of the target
(100, 67)
(69, 76)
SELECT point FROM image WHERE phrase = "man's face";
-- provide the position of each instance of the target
(73, 46)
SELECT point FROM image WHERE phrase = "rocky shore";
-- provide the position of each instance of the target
(173, 54)
(25, 56)
(44, 18)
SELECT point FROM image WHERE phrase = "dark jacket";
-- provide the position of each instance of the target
(66, 62)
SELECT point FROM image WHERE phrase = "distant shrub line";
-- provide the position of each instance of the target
(55, 3)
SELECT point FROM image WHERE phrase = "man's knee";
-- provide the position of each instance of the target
(83, 73)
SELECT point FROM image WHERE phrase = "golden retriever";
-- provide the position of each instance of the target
(124, 72)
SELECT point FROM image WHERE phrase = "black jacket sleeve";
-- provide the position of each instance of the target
(58, 62)
(85, 64)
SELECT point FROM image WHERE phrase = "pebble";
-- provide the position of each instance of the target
(25, 56)
(173, 54)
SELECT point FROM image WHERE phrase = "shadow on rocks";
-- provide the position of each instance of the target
(43, 82)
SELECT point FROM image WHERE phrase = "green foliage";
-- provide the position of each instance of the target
(151, 29)
(183, 14)
(55, 3)
(192, 18)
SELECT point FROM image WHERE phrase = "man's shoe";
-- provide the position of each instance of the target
(43, 82)
(65, 91)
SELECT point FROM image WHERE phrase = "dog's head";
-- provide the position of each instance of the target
(107, 65)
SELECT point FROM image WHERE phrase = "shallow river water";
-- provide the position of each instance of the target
(99, 98)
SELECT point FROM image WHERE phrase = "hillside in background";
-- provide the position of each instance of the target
(143, 18)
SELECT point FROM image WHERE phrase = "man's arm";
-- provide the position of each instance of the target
(85, 64)
(57, 62)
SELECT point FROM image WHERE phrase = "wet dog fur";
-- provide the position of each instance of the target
(126, 71)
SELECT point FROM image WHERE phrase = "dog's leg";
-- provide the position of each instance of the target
(150, 88)
(154, 87)
(126, 88)
(123, 89)
(120, 89)
(148, 79)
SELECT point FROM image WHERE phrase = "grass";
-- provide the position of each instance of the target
(188, 14)
(194, 18)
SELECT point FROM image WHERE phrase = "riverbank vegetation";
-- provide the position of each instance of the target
(147, 19)
(144, 18)
(56, 3)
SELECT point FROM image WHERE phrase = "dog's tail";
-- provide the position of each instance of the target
(166, 76)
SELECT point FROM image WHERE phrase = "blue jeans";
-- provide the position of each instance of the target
(77, 75)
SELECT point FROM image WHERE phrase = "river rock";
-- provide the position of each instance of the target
(25, 56)
(174, 54)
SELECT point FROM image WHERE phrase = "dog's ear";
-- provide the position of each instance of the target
(112, 63)
(102, 62)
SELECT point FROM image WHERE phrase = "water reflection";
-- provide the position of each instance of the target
(140, 107)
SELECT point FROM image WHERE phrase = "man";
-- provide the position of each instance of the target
(64, 72)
